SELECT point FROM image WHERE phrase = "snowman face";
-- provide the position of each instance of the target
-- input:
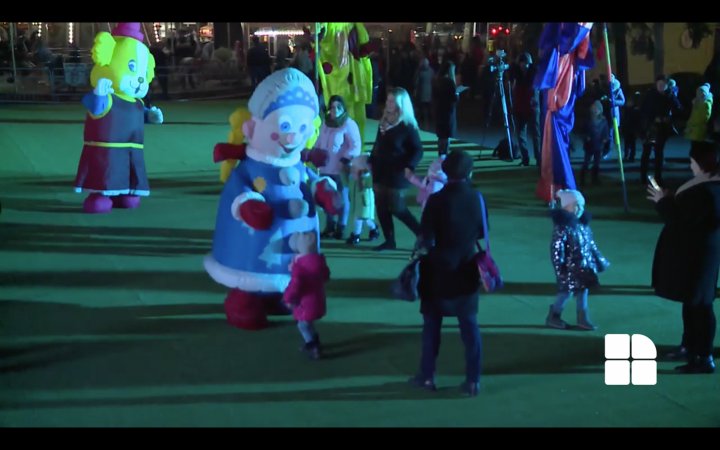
(284, 132)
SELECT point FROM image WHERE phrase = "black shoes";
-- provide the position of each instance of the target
(470, 389)
(374, 235)
(333, 231)
(424, 383)
(338, 233)
(354, 239)
(697, 364)
(312, 349)
(329, 230)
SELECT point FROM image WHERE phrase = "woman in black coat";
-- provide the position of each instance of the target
(444, 100)
(687, 255)
(397, 147)
(449, 282)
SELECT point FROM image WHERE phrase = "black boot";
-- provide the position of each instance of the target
(470, 389)
(423, 383)
(374, 234)
(697, 364)
(312, 349)
(354, 239)
(339, 231)
(329, 230)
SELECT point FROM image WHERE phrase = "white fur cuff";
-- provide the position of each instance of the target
(242, 198)
(246, 281)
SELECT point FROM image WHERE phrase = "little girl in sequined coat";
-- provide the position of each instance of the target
(575, 257)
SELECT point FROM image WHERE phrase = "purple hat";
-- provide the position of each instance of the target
(128, 29)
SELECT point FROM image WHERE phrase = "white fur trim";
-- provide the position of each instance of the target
(242, 198)
(246, 281)
(114, 193)
(259, 155)
(313, 185)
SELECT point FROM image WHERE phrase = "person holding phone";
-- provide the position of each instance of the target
(687, 255)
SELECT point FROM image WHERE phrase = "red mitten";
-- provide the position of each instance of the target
(257, 214)
(328, 198)
(319, 157)
(224, 151)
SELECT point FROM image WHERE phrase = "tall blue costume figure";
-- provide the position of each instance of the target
(268, 197)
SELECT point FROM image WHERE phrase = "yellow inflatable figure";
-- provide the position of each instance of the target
(112, 164)
(345, 68)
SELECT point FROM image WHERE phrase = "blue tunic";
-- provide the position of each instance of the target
(258, 260)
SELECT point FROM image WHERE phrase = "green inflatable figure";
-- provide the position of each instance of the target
(345, 67)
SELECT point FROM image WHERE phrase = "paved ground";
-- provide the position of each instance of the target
(110, 320)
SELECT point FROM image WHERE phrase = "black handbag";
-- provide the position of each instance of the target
(405, 286)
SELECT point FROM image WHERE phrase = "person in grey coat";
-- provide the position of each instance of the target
(575, 257)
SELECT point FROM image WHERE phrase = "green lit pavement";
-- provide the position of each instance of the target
(110, 320)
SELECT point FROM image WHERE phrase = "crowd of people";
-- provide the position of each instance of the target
(685, 268)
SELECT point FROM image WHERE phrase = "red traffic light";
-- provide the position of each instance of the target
(507, 30)
(494, 31)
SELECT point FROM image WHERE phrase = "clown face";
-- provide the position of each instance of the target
(282, 135)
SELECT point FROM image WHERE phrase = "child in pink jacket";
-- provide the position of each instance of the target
(305, 294)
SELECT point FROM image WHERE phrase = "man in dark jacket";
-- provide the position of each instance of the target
(258, 62)
(658, 109)
(449, 281)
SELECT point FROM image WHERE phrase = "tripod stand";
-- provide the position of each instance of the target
(499, 68)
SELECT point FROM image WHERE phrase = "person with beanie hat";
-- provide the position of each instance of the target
(687, 255)
(449, 283)
(575, 257)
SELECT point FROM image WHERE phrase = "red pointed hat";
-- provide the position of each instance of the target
(128, 29)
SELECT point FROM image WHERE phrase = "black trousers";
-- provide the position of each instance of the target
(699, 327)
(658, 147)
(629, 151)
(390, 202)
(528, 125)
(594, 155)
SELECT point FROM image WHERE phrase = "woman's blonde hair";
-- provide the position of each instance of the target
(404, 104)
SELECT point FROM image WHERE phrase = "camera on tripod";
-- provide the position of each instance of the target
(497, 62)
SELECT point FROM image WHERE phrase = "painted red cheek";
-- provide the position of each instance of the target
(274, 136)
